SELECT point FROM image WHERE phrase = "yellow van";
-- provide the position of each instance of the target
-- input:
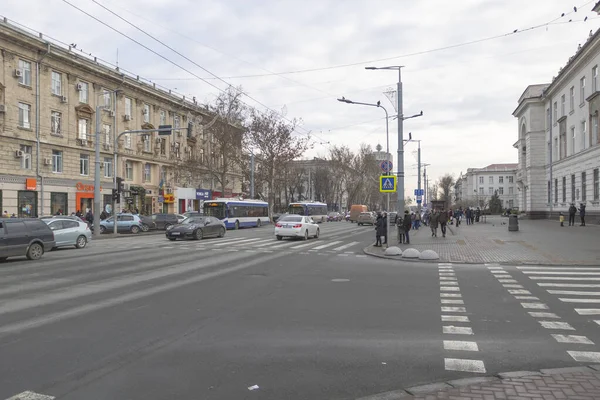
(355, 211)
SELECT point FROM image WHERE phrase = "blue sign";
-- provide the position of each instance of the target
(419, 201)
(386, 166)
(161, 199)
(419, 192)
(387, 183)
(203, 194)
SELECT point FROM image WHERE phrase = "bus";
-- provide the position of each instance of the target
(318, 211)
(237, 213)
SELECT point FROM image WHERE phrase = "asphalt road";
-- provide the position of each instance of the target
(145, 318)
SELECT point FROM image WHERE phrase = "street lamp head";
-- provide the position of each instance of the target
(345, 100)
(371, 68)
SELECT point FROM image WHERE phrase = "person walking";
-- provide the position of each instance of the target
(443, 222)
(468, 215)
(561, 219)
(417, 220)
(407, 226)
(433, 222)
(572, 212)
(378, 230)
(582, 214)
(384, 227)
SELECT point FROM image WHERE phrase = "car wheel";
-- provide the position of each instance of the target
(35, 251)
(198, 234)
(258, 223)
(317, 234)
(2, 259)
(279, 237)
(167, 226)
(102, 229)
(237, 225)
(306, 234)
(172, 239)
(145, 228)
(135, 229)
(221, 232)
(81, 242)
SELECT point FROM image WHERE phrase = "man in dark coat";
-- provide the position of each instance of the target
(572, 212)
(443, 221)
(407, 223)
(582, 214)
(384, 228)
(378, 230)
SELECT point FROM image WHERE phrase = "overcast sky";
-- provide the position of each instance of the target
(467, 93)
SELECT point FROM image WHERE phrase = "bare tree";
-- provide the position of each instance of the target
(433, 192)
(445, 184)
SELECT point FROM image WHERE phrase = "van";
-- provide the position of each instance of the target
(355, 211)
(28, 237)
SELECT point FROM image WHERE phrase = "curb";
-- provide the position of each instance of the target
(431, 388)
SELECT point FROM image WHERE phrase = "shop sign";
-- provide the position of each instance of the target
(30, 184)
(85, 188)
(169, 198)
(203, 194)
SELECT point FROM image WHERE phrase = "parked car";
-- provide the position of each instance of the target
(296, 226)
(28, 237)
(197, 228)
(147, 222)
(334, 216)
(125, 223)
(188, 214)
(180, 218)
(366, 218)
(72, 217)
(164, 221)
(69, 232)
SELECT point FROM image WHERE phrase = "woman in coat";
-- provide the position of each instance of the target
(379, 230)
(433, 222)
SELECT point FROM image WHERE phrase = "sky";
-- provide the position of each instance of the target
(298, 57)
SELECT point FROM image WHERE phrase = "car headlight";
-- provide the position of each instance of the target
(169, 227)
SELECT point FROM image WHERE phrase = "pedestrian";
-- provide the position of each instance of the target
(572, 212)
(433, 222)
(5, 214)
(468, 215)
(79, 214)
(582, 214)
(418, 220)
(443, 222)
(457, 217)
(407, 225)
(59, 212)
(103, 215)
(400, 229)
(378, 230)
(384, 227)
(477, 214)
(561, 218)
(89, 217)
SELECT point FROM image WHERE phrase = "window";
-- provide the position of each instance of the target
(510, 179)
(83, 129)
(563, 141)
(56, 83)
(583, 134)
(108, 162)
(129, 170)
(511, 203)
(147, 172)
(564, 189)
(176, 148)
(549, 192)
(572, 188)
(24, 115)
(481, 179)
(163, 117)
(146, 113)
(147, 143)
(594, 131)
(573, 136)
(491, 179)
(572, 98)
(163, 146)
(55, 122)
(128, 141)
(583, 186)
(27, 207)
(500, 179)
(59, 203)
(500, 190)
(57, 161)
(84, 164)
(25, 68)
(562, 106)
(26, 158)
(556, 190)
(490, 190)
(107, 136)
(106, 98)
(84, 92)
(582, 90)
(595, 79)
(555, 150)
(176, 123)
(596, 185)
(548, 121)
(511, 190)
(128, 106)
(481, 190)
(555, 111)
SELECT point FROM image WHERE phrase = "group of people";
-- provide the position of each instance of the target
(403, 224)
(572, 212)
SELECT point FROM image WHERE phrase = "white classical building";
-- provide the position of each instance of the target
(478, 185)
(558, 142)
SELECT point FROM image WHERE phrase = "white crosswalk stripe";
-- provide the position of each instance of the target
(323, 246)
(344, 247)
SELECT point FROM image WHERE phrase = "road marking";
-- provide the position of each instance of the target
(564, 278)
(543, 314)
(500, 277)
(31, 396)
(585, 356)
(588, 311)
(323, 246)
(507, 281)
(526, 298)
(498, 271)
(447, 278)
(455, 318)
(361, 256)
(300, 246)
(445, 268)
(572, 285)
(560, 268)
(449, 289)
(444, 264)
(447, 274)
(559, 273)
(556, 325)
(518, 291)
(460, 364)
(510, 285)
(454, 309)
(457, 330)
(167, 247)
(348, 252)
(346, 246)
(567, 300)
(450, 295)
(575, 292)
(343, 255)
(572, 339)
(449, 283)
(460, 345)
(537, 306)
(444, 301)
(231, 241)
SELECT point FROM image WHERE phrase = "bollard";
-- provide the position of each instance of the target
(513, 223)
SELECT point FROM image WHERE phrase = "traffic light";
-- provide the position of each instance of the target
(115, 195)
(190, 129)
(120, 185)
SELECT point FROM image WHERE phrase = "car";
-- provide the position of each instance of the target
(30, 237)
(125, 223)
(197, 227)
(296, 226)
(180, 218)
(69, 232)
(334, 216)
(72, 217)
(366, 218)
(188, 214)
(164, 221)
(147, 222)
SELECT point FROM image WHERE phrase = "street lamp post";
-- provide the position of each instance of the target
(387, 149)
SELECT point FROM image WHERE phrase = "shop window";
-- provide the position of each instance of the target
(58, 203)
(27, 203)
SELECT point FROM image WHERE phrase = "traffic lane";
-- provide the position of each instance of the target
(298, 334)
(509, 339)
(64, 355)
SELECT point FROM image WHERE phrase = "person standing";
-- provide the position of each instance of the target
(407, 226)
(443, 222)
(417, 220)
(582, 214)
(400, 229)
(378, 230)
(468, 215)
(561, 219)
(572, 212)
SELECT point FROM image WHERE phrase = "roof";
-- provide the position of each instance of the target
(502, 166)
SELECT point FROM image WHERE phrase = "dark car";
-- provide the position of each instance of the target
(197, 228)
(28, 237)
(163, 221)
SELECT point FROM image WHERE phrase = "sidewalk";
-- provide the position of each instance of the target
(547, 384)
(536, 242)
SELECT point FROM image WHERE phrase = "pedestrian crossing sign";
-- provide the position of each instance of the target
(387, 183)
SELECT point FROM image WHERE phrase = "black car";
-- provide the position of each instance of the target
(163, 221)
(28, 237)
(197, 228)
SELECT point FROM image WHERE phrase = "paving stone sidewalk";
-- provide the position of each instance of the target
(536, 242)
(547, 384)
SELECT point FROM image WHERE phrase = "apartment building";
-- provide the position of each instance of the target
(558, 141)
(478, 185)
(50, 98)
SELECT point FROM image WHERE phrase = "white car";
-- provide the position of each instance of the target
(296, 226)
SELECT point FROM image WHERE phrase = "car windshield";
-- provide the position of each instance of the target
(192, 220)
(291, 219)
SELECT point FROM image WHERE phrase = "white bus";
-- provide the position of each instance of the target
(236, 213)
(318, 211)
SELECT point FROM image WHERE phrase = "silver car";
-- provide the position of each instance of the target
(69, 232)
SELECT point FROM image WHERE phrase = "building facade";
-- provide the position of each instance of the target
(478, 185)
(558, 137)
(53, 99)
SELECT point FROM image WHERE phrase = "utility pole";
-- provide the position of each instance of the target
(97, 194)
(252, 175)
(419, 177)
(400, 146)
(425, 188)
